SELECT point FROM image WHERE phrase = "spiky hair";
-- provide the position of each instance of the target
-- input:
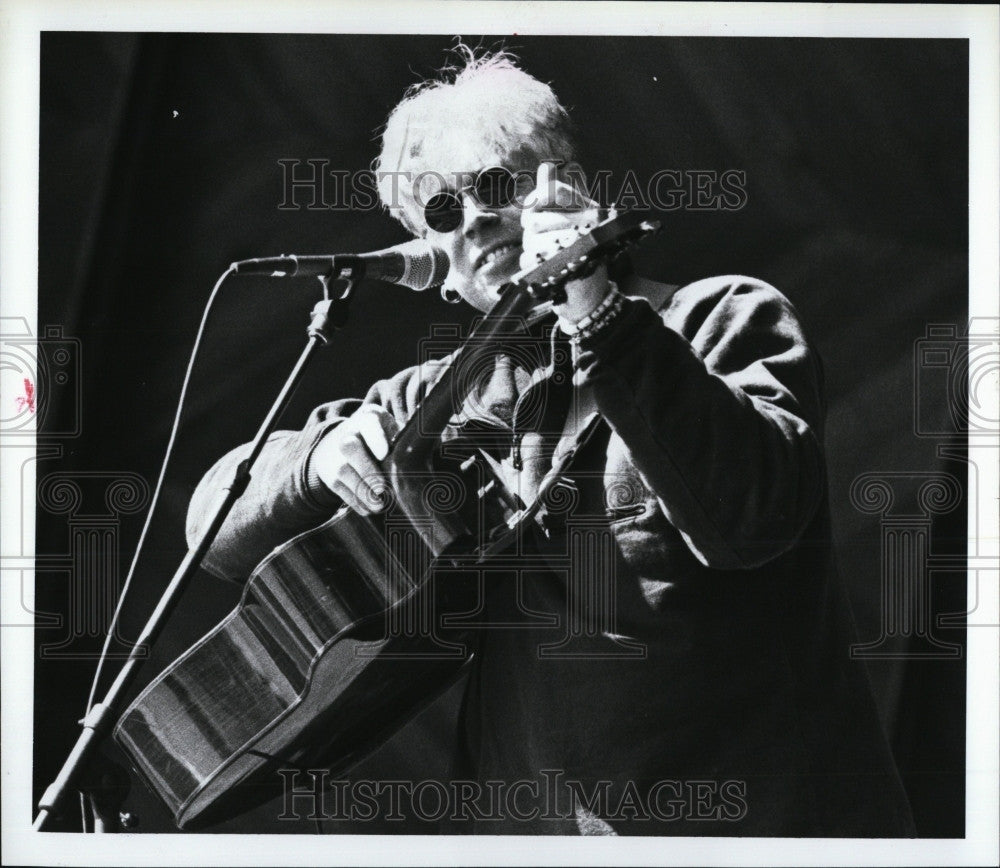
(484, 95)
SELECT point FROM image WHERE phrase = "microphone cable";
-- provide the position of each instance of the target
(159, 486)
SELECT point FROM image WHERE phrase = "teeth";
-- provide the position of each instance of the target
(493, 255)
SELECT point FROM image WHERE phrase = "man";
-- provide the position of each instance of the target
(685, 669)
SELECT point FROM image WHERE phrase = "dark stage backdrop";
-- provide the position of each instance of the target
(160, 165)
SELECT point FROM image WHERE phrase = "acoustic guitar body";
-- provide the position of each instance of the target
(332, 647)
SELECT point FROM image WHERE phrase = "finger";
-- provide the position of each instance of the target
(545, 195)
(571, 198)
(378, 429)
(544, 185)
(390, 427)
(359, 459)
(555, 219)
(548, 221)
(372, 431)
(378, 494)
(345, 493)
(552, 194)
(369, 488)
(546, 244)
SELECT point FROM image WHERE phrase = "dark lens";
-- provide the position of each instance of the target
(495, 188)
(443, 212)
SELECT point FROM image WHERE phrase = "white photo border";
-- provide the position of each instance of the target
(21, 23)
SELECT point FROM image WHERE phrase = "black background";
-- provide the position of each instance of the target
(159, 166)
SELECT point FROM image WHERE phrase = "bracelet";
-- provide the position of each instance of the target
(599, 323)
(572, 330)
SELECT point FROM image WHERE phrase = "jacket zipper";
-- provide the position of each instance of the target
(518, 436)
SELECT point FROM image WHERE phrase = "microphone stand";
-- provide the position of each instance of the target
(78, 772)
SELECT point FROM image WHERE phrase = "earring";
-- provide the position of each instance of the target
(450, 295)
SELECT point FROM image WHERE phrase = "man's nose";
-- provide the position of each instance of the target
(475, 216)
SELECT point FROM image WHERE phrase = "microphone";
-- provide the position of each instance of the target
(414, 264)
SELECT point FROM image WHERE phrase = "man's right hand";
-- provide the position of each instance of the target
(347, 458)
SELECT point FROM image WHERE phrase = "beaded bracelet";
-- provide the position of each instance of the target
(596, 315)
(608, 316)
(599, 318)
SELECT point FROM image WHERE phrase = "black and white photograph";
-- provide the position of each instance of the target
(465, 429)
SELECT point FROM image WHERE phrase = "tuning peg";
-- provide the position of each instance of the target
(612, 212)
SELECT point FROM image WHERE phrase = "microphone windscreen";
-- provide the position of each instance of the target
(423, 265)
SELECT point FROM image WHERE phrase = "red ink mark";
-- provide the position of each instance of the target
(29, 397)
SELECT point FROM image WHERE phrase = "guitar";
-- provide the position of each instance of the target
(337, 639)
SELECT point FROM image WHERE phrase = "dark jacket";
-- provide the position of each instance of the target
(680, 663)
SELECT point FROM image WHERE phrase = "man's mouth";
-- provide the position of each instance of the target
(496, 254)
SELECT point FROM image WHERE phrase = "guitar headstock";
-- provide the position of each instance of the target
(605, 240)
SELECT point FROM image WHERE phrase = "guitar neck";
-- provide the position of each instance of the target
(527, 290)
(421, 434)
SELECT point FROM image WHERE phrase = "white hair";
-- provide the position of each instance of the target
(506, 113)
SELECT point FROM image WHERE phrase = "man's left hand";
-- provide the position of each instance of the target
(555, 215)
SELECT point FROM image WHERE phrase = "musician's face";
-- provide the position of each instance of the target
(485, 245)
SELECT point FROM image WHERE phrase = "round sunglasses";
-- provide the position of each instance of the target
(492, 189)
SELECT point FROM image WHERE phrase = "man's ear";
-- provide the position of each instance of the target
(449, 289)
(451, 296)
